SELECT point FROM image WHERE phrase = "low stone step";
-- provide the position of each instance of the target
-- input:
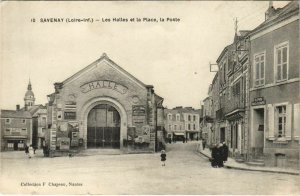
(255, 163)
(240, 160)
(258, 160)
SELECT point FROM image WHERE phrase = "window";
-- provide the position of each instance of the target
(170, 127)
(194, 117)
(259, 69)
(7, 130)
(281, 120)
(189, 118)
(7, 121)
(24, 130)
(175, 127)
(281, 62)
(23, 121)
(224, 71)
(20, 145)
(180, 127)
(170, 116)
(43, 123)
(177, 117)
(189, 127)
(10, 145)
(194, 127)
(236, 89)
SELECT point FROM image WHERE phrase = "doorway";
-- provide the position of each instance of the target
(222, 134)
(258, 127)
(103, 127)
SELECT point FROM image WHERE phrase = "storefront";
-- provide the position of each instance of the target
(109, 108)
(14, 143)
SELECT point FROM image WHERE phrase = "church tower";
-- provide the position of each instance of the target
(29, 97)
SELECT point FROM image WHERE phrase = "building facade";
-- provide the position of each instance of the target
(274, 87)
(103, 106)
(182, 123)
(255, 93)
(39, 125)
(16, 129)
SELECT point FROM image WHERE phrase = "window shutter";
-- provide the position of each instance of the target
(271, 121)
(288, 121)
(297, 121)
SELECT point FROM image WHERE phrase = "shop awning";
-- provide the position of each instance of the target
(179, 134)
(15, 137)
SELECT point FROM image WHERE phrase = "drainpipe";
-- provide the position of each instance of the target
(248, 90)
(156, 146)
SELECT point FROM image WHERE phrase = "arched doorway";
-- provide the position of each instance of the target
(103, 127)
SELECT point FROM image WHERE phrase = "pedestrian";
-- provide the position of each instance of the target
(214, 155)
(224, 152)
(203, 143)
(31, 151)
(219, 156)
(27, 150)
(163, 157)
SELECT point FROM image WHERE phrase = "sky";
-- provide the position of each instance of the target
(172, 56)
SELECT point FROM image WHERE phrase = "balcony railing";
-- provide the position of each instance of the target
(236, 102)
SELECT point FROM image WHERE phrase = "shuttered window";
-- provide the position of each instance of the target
(297, 121)
(281, 120)
(270, 121)
(259, 69)
(281, 62)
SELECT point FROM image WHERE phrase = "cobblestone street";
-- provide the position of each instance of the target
(185, 173)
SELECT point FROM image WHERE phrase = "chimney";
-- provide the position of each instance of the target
(270, 11)
(18, 107)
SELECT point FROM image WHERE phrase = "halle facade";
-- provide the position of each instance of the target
(104, 107)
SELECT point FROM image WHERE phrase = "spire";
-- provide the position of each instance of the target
(29, 96)
(236, 25)
(29, 86)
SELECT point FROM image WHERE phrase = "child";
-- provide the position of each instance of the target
(27, 150)
(163, 157)
(30, 151)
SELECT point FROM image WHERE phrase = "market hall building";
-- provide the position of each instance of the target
(103, 106)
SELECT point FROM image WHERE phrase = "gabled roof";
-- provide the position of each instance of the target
(35, 109)
(224, 52)
(159, 100)
(15, 114)
(287, 11)
(104, 57)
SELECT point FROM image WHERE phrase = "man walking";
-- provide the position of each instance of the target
(203, 144)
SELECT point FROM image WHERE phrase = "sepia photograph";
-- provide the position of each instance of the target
(150, 98)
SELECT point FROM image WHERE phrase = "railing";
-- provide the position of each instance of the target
(236, 102)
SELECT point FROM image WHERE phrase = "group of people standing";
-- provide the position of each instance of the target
(219, 155)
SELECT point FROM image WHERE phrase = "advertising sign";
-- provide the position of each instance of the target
(52, 139)
(138, 110)
(63, 143)
(70, 115)
(258, 101)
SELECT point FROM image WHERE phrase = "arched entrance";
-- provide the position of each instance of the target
(103, 127)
